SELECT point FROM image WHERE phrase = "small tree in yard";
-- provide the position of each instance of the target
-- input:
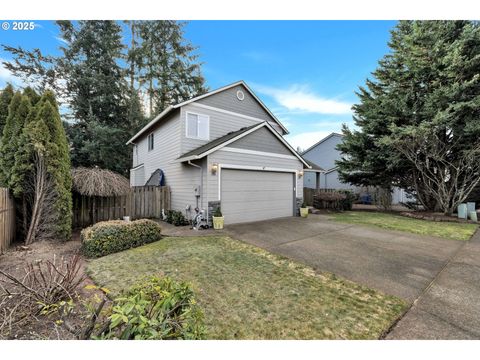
(41, 173)
(47, 173)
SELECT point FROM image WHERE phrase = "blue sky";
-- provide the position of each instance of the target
(305, 71)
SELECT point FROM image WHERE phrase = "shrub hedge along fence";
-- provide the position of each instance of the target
(109, 237)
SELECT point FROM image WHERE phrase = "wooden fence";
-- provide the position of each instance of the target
(140, 202)
(7, 219)
(309, 193)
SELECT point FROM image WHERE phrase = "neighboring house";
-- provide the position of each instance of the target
(324, 173)
(323, 154)
(224, 148)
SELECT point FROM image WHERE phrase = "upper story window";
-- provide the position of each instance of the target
(198, 126)
(151, 141)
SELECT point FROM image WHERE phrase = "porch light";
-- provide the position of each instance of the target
(300, 173)
(214, 168)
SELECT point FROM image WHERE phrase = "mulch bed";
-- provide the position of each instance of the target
(433, 216)
(15, 259)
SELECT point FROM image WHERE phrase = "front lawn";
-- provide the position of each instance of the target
(248, 293)
(448, 230)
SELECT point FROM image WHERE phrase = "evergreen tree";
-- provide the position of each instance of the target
(5, 97)
(43, 165)
(103, 79)
(169, 67)
(18, 111)
(430, 79)
(99, 91)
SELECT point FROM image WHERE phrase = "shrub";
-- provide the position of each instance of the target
(217, 212)
(158, 308)
(347, 203)
(109, 237)
(383, 198)
(176, 218)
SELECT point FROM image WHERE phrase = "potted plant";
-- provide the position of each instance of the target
(218, 219)
(304, 210)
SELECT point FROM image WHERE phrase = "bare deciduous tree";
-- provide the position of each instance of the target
(445, 171)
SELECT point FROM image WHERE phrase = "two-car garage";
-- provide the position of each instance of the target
(252, 195)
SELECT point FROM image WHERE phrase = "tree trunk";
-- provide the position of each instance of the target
(40, 180)
(132, 61)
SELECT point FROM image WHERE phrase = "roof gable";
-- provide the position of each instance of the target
(322, 141)
(228, 100)
(230, 138)
(226, 96)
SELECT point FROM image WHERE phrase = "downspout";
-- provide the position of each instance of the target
(201, 178)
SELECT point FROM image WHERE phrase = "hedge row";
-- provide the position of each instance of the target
(109, 237)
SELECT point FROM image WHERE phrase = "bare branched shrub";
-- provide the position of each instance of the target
(447, 167)
(42, 284)
(383, 198)
(99, 182)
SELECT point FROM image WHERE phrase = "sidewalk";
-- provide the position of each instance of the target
(450, 307)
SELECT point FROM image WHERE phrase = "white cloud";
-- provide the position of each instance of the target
(300, 98)
(306, 139)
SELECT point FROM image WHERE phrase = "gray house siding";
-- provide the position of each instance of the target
(325, 154)
(228, 100)
(220, 125)
(261, 140)
(181, 178)
(331, 181)
(137, 176)
(310, 180)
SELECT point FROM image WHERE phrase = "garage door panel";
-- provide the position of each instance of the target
(255, 195)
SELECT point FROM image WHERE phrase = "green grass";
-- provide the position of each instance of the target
(248, 293)
(447, 230)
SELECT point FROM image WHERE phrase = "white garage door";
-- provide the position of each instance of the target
(256, 195)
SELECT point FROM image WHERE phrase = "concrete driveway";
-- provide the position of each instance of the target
(395, 263)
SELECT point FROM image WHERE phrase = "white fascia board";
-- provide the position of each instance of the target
(150, 124)
(255, 152)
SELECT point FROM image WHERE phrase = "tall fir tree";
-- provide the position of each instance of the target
(103, 81)
(169, 67)
(42, 164)
(6, 96)
(429, 79)
(99, 91)
(18, 111)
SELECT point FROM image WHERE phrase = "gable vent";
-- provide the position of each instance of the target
(240, 95)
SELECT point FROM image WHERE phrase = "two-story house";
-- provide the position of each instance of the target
(224, 148)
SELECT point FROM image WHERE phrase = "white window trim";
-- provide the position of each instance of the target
(148, 141)
(256, 168)
(186, 126)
